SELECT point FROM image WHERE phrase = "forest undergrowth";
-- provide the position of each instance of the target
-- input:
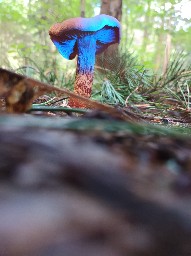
(115, 171)
(120, 80)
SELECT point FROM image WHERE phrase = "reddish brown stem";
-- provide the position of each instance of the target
(85, 69)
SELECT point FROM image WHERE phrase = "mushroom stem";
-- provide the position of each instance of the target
(85, 68)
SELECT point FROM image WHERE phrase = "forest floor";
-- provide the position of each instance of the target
(109, 181)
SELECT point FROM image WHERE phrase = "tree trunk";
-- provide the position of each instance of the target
(167, 53)
(82, 8)
(112, 8)
(167, 49)
(146, 27)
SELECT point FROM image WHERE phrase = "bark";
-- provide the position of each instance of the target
(82, 7)
(112, 8)
(146, 28)
(159, 48)
(67, 193)
(167, 53)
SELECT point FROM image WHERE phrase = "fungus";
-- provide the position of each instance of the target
(84, 37)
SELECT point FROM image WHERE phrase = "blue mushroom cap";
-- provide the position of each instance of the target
(104, 28)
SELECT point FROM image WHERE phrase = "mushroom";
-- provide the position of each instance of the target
(84, 37)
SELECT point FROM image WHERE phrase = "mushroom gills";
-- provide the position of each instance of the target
(66, 48)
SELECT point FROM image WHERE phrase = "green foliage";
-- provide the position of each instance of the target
(127, 82)
(53, 75)
(174, 84)
(27, 48)
(148, 23)
(110, 95)
(123, 81)
(178, 71)
(24, 29)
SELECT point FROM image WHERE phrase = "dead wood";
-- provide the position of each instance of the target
(20, 92)
(66, 193)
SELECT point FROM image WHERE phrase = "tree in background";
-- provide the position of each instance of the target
(148, 26)
(112, 7)
(24, 31)
(82, 4)
(154, 28)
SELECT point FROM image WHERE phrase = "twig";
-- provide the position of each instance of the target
(56, 109)
(126, 101)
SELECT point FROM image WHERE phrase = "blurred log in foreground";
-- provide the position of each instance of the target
(66, 194)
